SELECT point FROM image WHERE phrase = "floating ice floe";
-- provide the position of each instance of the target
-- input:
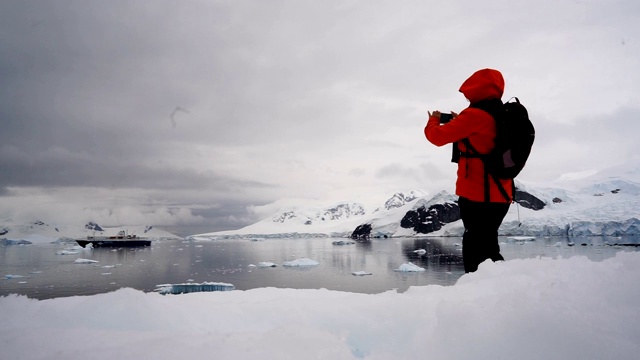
(361, 273)
(300, 262)
(15, 242)
(409, 267)
(85, 261)
(9, 276)
(193, 287)
(266, 264)
(523, 238)
(67, 252)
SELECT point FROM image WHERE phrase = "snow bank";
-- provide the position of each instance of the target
(519, 309)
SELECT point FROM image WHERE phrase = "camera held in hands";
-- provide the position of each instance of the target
(455, 152)
(445, 117)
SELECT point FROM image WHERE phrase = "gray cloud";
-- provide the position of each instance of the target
(289, 97)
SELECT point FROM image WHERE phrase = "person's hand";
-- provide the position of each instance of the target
(435, 113)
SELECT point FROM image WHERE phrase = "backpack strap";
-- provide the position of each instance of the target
(487, 187)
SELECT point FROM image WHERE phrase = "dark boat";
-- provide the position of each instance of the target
(120, 240)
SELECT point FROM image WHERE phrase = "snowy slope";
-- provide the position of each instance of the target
(604, 203)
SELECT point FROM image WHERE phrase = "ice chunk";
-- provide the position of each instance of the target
(67, 252)
(193, 287)
(300, 262)
(361, 273)
(85, 261)
(266, 264)
(523, 238)
(9, 276)
(409, 267)
(15, 242)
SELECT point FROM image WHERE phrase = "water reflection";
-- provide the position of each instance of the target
(435, 252)
(47, 275)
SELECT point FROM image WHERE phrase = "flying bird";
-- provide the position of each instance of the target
(174, 112)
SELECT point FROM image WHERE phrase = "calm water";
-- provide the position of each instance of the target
(42, 274)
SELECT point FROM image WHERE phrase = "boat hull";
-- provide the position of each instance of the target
(114, 242)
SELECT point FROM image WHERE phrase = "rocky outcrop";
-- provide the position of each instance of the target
(400, 199)
(528, 201)
(424, 221)
(93, 226)
(281, 218)
(342, 211)
(362, 232)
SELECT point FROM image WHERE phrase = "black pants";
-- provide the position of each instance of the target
(481, 221)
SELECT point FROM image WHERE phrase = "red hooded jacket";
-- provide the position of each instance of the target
(477, 126)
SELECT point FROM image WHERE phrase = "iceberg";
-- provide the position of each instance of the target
(360, 273)
(85, 261)
(266, 264)
(409, 267)
(193, 287)
(300, 262)
(67, 252)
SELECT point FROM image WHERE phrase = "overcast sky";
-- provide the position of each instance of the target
(211, 114)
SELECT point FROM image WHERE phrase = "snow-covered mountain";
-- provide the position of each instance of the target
(41, 232)
(339, 212)
(605, 203)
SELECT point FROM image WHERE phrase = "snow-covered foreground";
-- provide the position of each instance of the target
(520, 309)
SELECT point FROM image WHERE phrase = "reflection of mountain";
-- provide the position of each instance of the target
(437, 252)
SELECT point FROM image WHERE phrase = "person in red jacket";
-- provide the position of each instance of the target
(482, 205)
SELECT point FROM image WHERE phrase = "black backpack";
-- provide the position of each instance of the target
(514, 138)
